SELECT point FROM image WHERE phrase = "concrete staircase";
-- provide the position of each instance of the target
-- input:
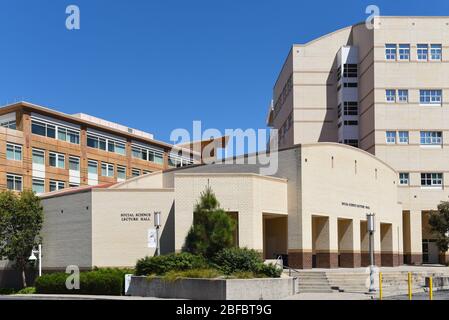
(394, 282)
(312, 282)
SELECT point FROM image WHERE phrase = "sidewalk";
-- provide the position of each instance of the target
(71, 297)
(330, 296)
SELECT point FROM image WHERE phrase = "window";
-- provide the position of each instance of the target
(56, 160)
(391, 136)
(68, 135)
(403, 137)
(431, 179)
(431, 138)
(352, 142)
(38, 185)
(430, 97)
(107, 170)
(390, 95)
(422, 52)
(390, 51)
(350, 70)
(404, 179)
(73, 185)
(92, 167)
(178, 161)
(38, 157)
(121, 172)
(403, 95)
(56, 185)
(350, 84)
(13, 152)
(350, 108)
(106, 144)
(10, 124)
(13, 182)
(43, 129)
(135, 172)
(148, 154)
(404, 52)
(351, 123)
(435, 52)
(74, 163)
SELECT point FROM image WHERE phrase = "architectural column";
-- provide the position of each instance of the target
(349, 238)
(326, 242)
(414, 255)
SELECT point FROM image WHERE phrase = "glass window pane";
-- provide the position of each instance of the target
(62, 134)
(37, 128)
(51, 131)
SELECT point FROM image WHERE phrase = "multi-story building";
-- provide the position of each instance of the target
(45, 150)
(382, 90)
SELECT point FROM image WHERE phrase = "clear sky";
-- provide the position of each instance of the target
(157, 65)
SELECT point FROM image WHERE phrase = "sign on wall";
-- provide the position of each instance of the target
(152, 238)
(135, 217)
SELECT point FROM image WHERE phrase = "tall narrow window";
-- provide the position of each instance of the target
(38, 185)
(92, 167)
(74, 163)
(121, 173)
(38, 157)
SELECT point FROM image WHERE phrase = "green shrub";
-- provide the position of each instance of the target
(244, 262)
(193, 273)
(160, 265)
(28, 290)
(269, 271)
(234, 260)
(98, 282)
(242, 275)
(6, 291)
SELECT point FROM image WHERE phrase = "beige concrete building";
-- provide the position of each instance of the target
(382, 90)
(313, 211)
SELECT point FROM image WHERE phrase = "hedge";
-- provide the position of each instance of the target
(160, 265)
(98, 282)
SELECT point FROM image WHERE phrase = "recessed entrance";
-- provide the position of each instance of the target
(346, 257)
(364, 244)
(322, 257)
(430, 250)
(275, 236)
(386, 245)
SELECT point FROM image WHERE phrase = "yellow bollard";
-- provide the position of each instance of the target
(431, 288)
(410, 286)
(380, 286)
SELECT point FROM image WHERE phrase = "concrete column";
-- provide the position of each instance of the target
(415, 254)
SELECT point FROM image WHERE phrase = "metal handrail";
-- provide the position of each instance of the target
(279, 258)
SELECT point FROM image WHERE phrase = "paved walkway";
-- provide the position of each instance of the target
(330, 296)
(72, 297)
(423, 268)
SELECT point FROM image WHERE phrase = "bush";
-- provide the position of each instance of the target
(234, 260)
(98, 282)
(193, 273)
(7, 291)
(27, 290)
(242, 262)
(160, 265)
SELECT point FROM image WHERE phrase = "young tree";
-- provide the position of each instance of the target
(439, 224)
(212, 228)
(21, 219)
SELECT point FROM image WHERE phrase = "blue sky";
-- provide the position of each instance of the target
(157, 65)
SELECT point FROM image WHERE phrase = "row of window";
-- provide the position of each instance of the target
(426, 97)
(349, 71)
(424, 52)
(426, 137)
(10, 124)
(96, 141)
(15, 182)
(350, 108)
(427, 179)
(288, 124)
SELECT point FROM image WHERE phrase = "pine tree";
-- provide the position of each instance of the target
(212, 228)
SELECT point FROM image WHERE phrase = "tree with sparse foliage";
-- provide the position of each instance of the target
(439, 224)
(212, 229)
(21, 219)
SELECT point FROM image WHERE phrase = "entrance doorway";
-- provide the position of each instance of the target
(386, 244)
(346, 257)
(275, 236)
